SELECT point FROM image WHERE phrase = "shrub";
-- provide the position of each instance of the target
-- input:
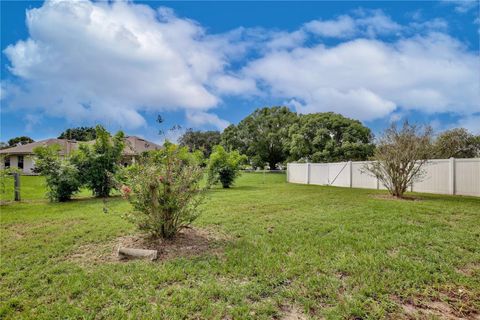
(164, 190)
(400, 156)
(62, 178)
(99, 161)
(224, 167)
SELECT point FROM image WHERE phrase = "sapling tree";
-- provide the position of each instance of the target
(99, 161)
(400, 156)
(164, 190)
(62, 178)
(224, 166)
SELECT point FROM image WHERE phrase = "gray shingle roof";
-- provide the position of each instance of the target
(133, 146)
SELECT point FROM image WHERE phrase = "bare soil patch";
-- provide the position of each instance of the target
(469, 270)
(188, 243)
(292, 313)
(439, 309)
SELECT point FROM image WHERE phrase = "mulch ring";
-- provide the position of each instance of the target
(189, 242)
(390, 197)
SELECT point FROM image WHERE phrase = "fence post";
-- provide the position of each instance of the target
(350, 173)
(288, 167)
(308, 173)
(452, 175)
(16, 179)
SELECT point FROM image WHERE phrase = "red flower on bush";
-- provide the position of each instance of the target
(126, 191)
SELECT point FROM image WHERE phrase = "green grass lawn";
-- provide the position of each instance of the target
(31, 188)
(319, 252)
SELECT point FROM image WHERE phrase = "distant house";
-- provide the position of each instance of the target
(22, 156)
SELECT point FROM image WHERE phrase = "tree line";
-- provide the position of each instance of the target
(275, 135)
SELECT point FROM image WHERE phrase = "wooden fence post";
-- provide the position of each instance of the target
(16, 179)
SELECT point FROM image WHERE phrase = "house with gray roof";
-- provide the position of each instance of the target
(23, 157)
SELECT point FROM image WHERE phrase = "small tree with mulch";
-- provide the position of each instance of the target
(400, 156)
(164, 190)
(224, 167)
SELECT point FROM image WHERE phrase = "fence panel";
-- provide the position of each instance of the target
(319, 173)
(436, 178)
(339, 174)
(467, 177)
(297, 172)
(443, 176)
(360, 179)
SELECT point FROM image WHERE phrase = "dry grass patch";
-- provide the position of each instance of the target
(469, 270)
(453, 304)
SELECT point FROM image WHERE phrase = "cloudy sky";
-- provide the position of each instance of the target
(205, 65)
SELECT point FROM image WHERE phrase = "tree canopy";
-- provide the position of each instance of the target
(457, 143)
(79, 134)
(200, 140)
(274, 135)
(262, 136)
(19, 141)
(329, 137)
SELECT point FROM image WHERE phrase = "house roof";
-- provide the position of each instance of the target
(133, 146)
(66, 146)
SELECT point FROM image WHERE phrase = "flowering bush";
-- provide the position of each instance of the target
(126, 191)
(164, 190)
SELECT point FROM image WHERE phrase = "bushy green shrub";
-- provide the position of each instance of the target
(224, 167)
(62, 178)
(164, 190)
(99, 161)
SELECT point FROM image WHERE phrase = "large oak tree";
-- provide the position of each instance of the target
(329, 137)
(262, 136)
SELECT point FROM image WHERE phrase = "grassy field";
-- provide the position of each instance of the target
(286, 252)
(31, 188)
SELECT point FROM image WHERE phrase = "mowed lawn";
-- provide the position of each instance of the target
(288, 251)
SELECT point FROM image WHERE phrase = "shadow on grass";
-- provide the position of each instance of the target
(78, 199)
(234, 188)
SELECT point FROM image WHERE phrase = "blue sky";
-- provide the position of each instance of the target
(207, 64)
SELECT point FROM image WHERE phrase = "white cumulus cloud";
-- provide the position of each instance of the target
(200, 118)
(369, 79)
(110, 61)
(99, 60)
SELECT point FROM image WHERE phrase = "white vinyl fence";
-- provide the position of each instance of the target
(444, 176)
